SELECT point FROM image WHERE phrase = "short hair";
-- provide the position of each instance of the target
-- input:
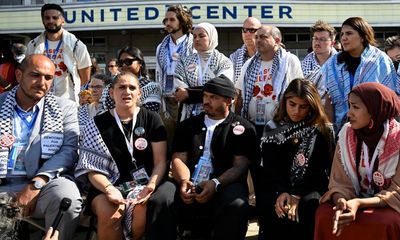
(112, 60)
(18, 48)
(52, 6)
(102, 77)
(321, 26)
(184, 15)
(363, 28)
(392, 42)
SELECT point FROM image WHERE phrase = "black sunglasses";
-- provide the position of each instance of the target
(250, 30)
(127, 61)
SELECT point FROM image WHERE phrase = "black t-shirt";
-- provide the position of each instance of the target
(225, 144)
(154, 131)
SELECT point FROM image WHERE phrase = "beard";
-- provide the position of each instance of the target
(175, 30)
(56, 29)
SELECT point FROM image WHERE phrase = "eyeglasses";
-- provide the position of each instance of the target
(96, 87)
(320, 39)
(111, 66)
(250, 30)
(127, 61)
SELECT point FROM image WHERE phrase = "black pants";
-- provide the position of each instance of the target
(272, 227)
(225, 215)
(160, 222)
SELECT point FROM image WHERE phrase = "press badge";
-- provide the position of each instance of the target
(202, 171)
(260, 112)
(51, 142)
(16, 160)
(140, 175)
(169, 84)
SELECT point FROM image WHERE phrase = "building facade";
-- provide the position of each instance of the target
(106, 26)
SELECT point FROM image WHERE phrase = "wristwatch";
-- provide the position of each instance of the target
(38, 184)
(218, 185)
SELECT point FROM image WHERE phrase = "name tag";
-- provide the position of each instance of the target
(3, 162)
(16, 161)
(169, 84)
(51, 142)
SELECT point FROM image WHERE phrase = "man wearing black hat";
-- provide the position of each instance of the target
(211, 156)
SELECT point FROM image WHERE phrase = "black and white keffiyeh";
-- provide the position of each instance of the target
(95, 156)
(310, 63)
(52, 120)
(83, 116)
(238, 58)
(288, 132)
(187, 72)
(278, 72)
(162, 54)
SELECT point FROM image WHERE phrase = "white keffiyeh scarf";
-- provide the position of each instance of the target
(52, 120)
(278, 72)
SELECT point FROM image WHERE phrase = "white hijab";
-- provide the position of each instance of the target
(212, 35)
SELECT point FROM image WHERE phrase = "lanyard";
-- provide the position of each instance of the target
(170, 52)
(129, 144)
(54, 56)
(29, 124)
(202, 71)
(369, 166)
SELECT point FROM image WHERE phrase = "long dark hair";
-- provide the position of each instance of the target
(184, 15)
(365, 31)
(305, 89)
(136, 53)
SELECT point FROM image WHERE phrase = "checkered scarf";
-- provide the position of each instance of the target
(162, 54)
(95, 156)
(52, 120)
(238, 58)
(218, 64)
(83, 116)
(310, 63)
(281, 134)
(278, 72)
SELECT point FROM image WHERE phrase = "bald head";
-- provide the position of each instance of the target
(250, 26)
(35, 77)
(252, 21)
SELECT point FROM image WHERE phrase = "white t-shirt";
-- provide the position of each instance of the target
(264, 99)
(62, 83)
(210, 124)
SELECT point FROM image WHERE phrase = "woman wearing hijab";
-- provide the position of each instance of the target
(364, 186)
(359, 62)
(193, 71)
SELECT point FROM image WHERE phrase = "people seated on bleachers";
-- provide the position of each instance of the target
(296, 149)
(363, 201)
(211, 155)
(123, 154)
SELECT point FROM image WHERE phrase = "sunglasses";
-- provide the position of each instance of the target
(127, 61)
(111, 66)
(250, 30)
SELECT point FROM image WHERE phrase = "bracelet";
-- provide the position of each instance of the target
(295, 196)
(105, 188)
